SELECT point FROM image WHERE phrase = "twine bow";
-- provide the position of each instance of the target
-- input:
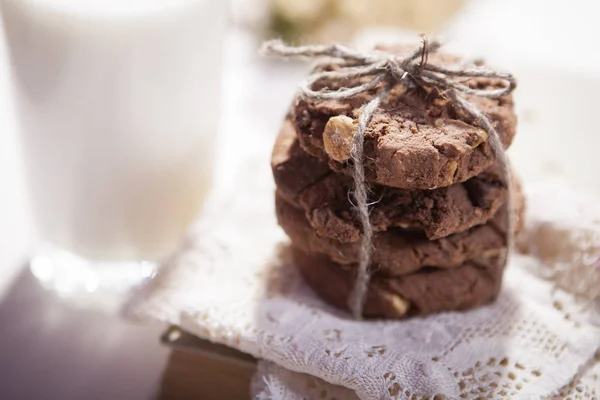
(386, 70)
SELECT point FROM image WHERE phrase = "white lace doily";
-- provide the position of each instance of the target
(563, 231)
(230, 283)
(272, 382)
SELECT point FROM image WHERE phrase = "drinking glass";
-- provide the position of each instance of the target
(117, 108)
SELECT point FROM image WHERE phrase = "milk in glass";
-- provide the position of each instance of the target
(118, 106)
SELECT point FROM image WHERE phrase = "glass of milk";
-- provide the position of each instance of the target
(118, 108)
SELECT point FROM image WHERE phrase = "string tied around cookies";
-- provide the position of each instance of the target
(382, 71)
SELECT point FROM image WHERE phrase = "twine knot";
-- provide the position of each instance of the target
(384, 70)
(389, 68)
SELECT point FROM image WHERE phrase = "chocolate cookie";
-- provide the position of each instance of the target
(467, 286)
(293, 169)
(396, 251)
(417, 139)
(324, 195)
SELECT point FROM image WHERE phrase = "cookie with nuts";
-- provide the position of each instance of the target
(324, 196)
(416, 140)
(396, 251)
(467, 286)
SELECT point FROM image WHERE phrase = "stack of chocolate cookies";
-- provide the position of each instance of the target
(439, 205)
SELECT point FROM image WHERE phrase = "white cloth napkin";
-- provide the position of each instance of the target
(230, 283)
(563, 232)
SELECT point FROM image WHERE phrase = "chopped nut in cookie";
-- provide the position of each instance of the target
(338, 137)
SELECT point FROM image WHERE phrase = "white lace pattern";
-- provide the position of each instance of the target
(230, 283)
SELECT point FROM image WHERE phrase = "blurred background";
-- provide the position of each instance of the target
(53, 348)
